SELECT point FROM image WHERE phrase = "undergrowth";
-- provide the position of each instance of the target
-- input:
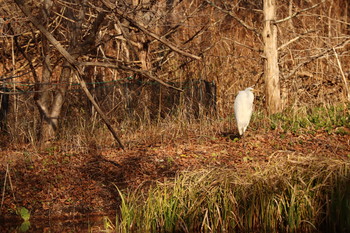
(182, 125)
(81, 132)
(290, 194)
(332, 119)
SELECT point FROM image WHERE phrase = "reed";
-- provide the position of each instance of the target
(292, 193)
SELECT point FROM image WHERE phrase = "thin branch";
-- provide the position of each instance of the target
(244, 45)
(294, 39)
(165, 42)
(233, 16)
(164, 58)
(142, 72)
(182, 22)
(151, 34)
(46, 33)
(289, 42)
(4, 187)
(340, 45)
(342, 74)
(89, 40)
(98, 109)
(298, 12)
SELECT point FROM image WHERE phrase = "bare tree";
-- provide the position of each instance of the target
(50, 106)
(49, 103)
(272, 81)
(233, 43)
(268, 32)
(80, 38)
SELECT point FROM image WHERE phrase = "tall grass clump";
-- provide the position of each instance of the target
(289, 194)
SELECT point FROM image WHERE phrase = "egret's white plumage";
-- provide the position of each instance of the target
(243, 109)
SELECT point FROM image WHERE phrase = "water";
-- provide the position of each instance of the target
(77, 224)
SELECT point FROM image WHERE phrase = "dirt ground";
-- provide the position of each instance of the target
(68, 184)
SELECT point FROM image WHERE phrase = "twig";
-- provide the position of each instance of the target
(10, 181)
(243, 45)
(342, 44)
(4, 188)
(98, 109)
(342, 74)
(142, 72)
(7, 174)
(289, 42)
(298, 12)
(182, 22)
(46, 33)
(233, 16)
(160, 39)
(294, 39)
(142, 28)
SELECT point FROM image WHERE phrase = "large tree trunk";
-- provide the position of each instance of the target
(273, 97)
(50, 106)
(48, 102)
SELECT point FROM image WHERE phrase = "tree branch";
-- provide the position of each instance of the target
(46, 33)
(233, 16)
(142, 72)
(73, 62)
(342, 74)
(340, 45)
(89, 40)
(298, 12)
(146, 31)
(294, 39)
(167, 43)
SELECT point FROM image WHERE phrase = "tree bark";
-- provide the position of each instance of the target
(49, 103)
(273, 96)
(50, 110)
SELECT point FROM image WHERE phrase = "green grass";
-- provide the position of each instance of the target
(290, 194)
(328, 118)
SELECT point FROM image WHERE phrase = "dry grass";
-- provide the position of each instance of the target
(291, 193)
(81, 134)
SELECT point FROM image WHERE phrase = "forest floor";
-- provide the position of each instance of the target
(68, 184)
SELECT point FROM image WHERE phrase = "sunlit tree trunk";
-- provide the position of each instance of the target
(273, 97)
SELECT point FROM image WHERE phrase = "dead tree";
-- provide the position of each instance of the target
(80, 38)
(78, 46)
(269, 34)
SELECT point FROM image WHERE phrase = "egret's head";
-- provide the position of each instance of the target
(250, 89)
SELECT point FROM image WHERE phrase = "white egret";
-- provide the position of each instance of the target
(243, 107)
